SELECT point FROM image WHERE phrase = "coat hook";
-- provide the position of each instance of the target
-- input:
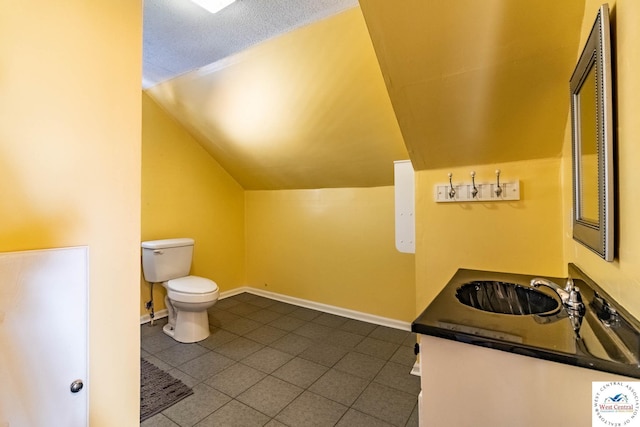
(474, 192)
(498, 189)
(452, 191)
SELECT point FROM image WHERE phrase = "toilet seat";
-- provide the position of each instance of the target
(192, 285)
(192, 289)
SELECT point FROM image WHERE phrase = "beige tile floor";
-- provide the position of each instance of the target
(268, 363)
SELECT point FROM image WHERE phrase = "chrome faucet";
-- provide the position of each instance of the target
(571, 300)
(570, 294)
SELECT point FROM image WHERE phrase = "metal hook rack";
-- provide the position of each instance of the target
(475, 191)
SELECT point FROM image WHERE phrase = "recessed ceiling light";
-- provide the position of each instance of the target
(213, 6)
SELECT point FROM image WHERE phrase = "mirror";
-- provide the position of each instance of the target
(592, 141)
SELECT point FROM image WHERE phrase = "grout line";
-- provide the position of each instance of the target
(307, 304)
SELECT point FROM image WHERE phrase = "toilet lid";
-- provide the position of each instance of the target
(192, 285)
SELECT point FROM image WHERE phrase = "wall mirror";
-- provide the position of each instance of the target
(592, 141)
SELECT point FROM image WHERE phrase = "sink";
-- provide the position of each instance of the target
(506, 298)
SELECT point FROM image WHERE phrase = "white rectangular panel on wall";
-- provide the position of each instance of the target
(405, 206)
(43, 337)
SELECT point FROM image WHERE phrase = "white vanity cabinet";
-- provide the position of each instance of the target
(465, 385)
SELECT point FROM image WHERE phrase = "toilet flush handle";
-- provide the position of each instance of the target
(158, 252)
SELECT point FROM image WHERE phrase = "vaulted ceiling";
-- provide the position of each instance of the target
(478, 82)
(332, 102)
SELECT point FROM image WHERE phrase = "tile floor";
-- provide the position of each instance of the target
(268, 363)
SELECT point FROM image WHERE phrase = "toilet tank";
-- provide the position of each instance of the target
(166, 259)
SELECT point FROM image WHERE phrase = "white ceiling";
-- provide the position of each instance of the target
(180, 36)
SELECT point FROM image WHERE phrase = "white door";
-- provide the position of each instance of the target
(43, 338)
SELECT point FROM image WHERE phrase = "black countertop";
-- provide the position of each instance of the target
(604, 336)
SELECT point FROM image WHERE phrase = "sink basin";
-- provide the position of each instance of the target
(506, 298)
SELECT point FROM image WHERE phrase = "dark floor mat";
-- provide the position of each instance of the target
(158, 390)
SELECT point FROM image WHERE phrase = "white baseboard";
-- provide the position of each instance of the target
(158, 315)
(331, 309)
(352, 314)
(416, 369)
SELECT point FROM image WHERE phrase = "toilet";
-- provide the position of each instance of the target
(188, 297)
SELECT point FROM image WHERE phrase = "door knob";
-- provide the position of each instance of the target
(76, 386)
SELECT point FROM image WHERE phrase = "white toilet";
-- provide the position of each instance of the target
(168, 262)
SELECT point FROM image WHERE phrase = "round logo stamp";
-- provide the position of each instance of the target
(616, 404)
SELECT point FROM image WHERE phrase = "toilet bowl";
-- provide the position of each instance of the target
(187, 301)
(188, 297)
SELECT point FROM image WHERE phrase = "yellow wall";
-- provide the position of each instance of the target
(329, 246)
(539, 234)
(523, 236)
(70, 167)
(185, 193)
(333, 246)
(621, 278)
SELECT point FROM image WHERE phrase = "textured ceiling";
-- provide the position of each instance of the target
(180, 36)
